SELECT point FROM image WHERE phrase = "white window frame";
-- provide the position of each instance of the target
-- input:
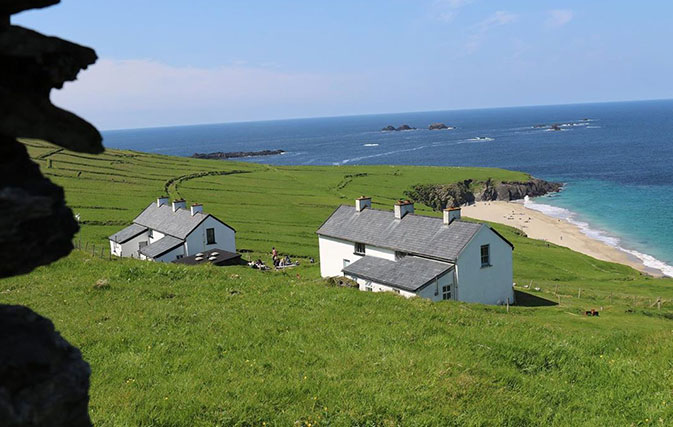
(357, 246)
(446, 292)
(488, 255)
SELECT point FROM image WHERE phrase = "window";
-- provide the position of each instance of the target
(346, 263)
(179, 256)
(210, 236)
(446, 292)
(150, 234)
(368, 286)
(360, 248)
(397, 291)
(485, 256)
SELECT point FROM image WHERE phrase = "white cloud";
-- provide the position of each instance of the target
(557, 18)
(128, 93)
(497, 19)
(482, 28)
(447, 10)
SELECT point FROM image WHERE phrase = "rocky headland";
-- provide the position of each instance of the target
(441, 196)
(220, 155)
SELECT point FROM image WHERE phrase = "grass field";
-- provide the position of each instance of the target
(175, 345)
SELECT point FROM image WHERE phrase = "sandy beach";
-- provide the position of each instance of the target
(540, 226)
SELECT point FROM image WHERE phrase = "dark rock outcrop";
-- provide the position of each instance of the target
(441, 196)
(391, 128)
(219, 155)
(36, 227)
(439, 126)
(43, 379)
(517, 190)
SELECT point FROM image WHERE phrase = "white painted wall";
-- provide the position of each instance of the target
(128, 248)
(225, 238)
(155, 236)
(433, 291)
(380, 252)
(487, 285)
(378, 287)
(332, 253)
(171, 255)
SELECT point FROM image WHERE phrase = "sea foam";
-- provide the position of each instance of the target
(600, 235)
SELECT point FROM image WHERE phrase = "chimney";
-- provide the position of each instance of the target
(403, 207)
(362, 203)
(179, 204)
(163, 200)
(197, 208)
(450, 215)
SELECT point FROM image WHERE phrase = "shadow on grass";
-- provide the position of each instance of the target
(524, 299)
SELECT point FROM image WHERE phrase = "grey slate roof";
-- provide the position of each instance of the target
(409, 273)
(161, 246)
(128, 233)
(162, 219)
(414, 234)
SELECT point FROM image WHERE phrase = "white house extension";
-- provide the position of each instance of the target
(416, 255)
(167, 232)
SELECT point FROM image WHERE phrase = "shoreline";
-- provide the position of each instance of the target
(561, 232)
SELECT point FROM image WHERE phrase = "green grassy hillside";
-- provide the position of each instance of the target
(175, 345)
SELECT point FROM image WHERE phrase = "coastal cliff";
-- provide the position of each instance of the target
(441, 196)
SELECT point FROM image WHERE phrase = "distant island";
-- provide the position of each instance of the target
(219, 155)
(440, 126)
(433, 126)
(391, 128)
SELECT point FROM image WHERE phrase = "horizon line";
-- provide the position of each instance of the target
(385, 113)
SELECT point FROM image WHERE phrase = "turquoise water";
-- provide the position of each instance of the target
(615, 158)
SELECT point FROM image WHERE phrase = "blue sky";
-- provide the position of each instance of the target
(178, 62)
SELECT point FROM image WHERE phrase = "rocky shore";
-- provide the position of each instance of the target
(441, 196)
(219, 155)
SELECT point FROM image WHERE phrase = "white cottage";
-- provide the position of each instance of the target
(168, 232)
(416, 255)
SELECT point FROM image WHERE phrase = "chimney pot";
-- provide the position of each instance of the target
(179, 204)
(362, 203)
(403, 207)
(450, 215)
(196, 208)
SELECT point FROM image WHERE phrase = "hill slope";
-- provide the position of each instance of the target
(174, 345)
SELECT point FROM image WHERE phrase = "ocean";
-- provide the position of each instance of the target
(616, 159)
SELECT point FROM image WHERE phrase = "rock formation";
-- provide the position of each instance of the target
(36, 227)
(517, 190)
(391, 128)
(441, 196)
(439, 126)
(219, 155)
(43, 379)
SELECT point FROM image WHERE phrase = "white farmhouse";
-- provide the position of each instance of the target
(416, 255)
(166, 232)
